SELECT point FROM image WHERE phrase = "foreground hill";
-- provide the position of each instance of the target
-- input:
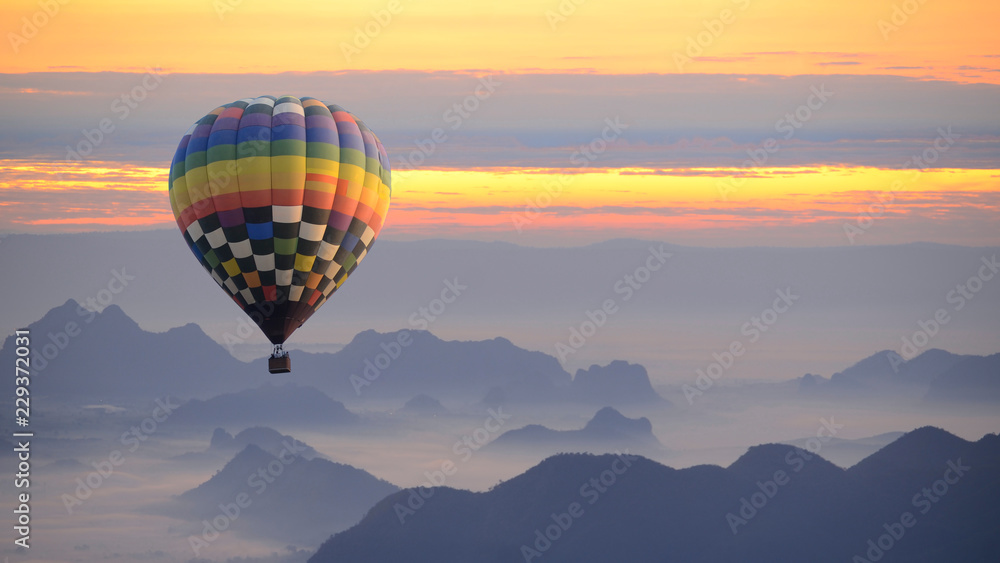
(927, 497)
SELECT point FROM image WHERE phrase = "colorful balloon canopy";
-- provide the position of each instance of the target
(280, 199)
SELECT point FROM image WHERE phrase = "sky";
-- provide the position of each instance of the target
(716, 123)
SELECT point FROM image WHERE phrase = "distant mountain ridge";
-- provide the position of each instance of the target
(879, 284)
(122, 362)
(607, 431)
(275, 405)
(88, 356)
(935, 375)
(107, 358)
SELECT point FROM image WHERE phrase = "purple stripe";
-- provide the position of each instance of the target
(203, 130)
(339, 221)
(227, 123)
(231, 218)
(371, 151)
(352, 140)
(251, 119)
(323, 121)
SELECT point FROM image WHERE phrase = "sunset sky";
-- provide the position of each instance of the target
(722, 123)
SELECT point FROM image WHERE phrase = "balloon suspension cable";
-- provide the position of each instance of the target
(278, 351)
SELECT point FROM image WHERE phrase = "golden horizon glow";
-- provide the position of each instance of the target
(508, 199)
(942, 41)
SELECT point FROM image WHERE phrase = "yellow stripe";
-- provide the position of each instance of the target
(287, 164)
(231, 267)
(304, 263)
(222, 179)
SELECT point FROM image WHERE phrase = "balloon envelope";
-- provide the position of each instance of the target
(280, 198)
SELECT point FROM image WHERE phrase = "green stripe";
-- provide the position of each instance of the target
(212, 259)
(285, 246)
(323, 150)
(222, 152)
(353, 156)
(349, 262)
(288, 147)
(195, 160)
(253, 148)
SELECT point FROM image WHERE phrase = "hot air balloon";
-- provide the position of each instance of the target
(280, 198)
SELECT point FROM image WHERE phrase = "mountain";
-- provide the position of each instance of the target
(974, 379)
(618, 383)
(284, 496)
(884, 372)
(403, 364)
(107, 358)
(278, 405)
(846, 452)
(423, 405)
(927, 497)
(267, 439)
(882, 286)
(83, 356)
(888, 366)
(607, 431)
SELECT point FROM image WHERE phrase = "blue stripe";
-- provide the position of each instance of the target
(284, 132)
(222, 137)
(260, 231)
(253, 133)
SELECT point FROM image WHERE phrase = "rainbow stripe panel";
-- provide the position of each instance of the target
(280, 199)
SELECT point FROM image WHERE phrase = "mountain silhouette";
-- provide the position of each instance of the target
(267, 439)
(776, 503)
(402, 364)
(607, 431)
(79, 355)
(286, 496)
(618, 383)
(277, 405)
(423, 405)
(974, 379)
(888, 373)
